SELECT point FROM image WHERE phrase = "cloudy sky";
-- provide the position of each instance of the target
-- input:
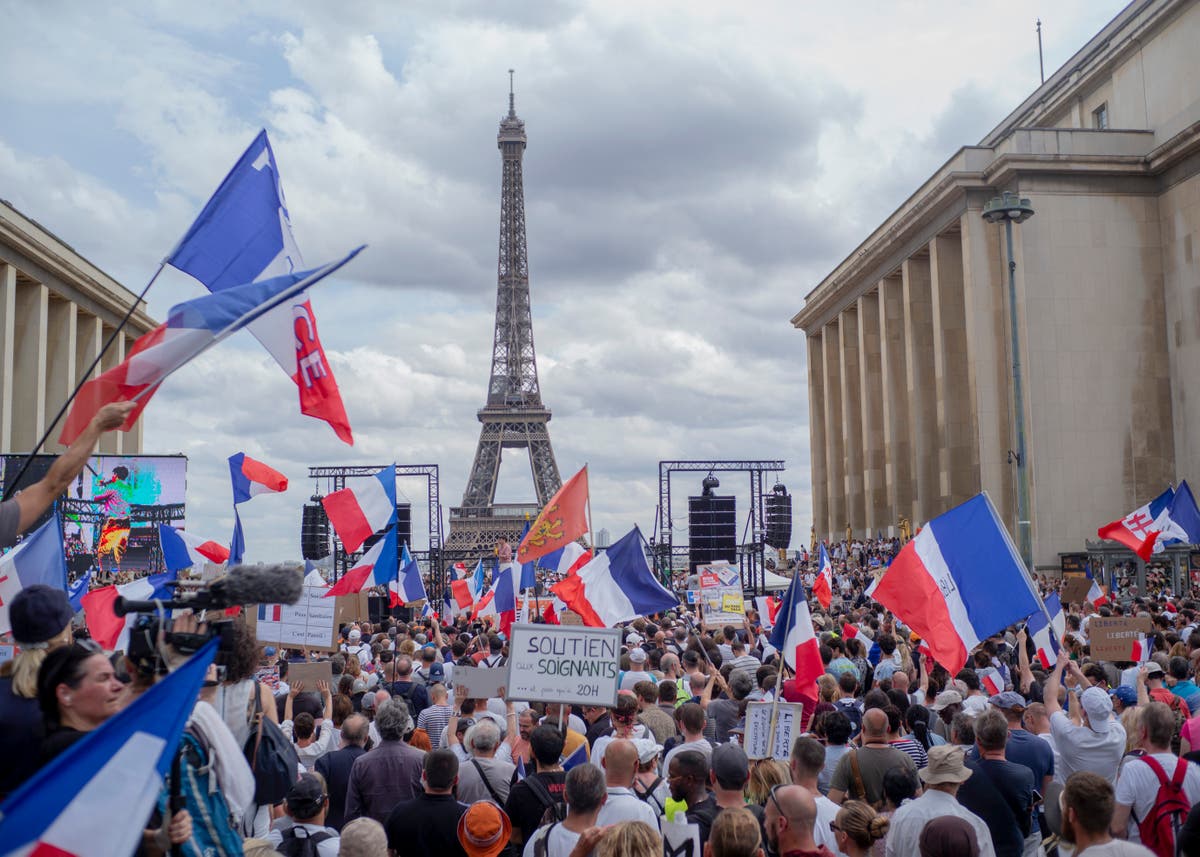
(693, 170)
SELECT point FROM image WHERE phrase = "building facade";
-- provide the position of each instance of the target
(909, 358)
(57, 310)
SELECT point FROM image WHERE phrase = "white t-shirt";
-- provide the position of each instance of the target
(624, 805)
(1137, 787)
(1117, 848)
(598, 748)
(827, 811)
(561, 844)
(1080, 748)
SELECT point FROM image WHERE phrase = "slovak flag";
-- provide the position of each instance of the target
(181, 549)
(616, 586)
(39, 558)
(990, 685)
(958, 581)
(1047, 632)
(823, 585)
(376, 568)
(191, 328)
(1142, 647)
(1138, 530)
(79, 803)
(363, 508)
(408, 587)
(244, 234)
(794, 638)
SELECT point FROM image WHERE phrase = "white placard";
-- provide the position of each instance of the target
(308, 622)
(681, 838)
(758, 729)
(479, 682)
(563, 664)
(7, 652)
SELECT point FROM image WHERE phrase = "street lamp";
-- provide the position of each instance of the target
(1011, 209)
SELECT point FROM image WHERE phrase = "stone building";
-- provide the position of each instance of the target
(909, 365)
(57, 310)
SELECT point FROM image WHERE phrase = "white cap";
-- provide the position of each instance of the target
(1098, 706)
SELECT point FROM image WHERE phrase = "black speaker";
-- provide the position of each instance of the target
(403, 530)
(712, 530)
(778, 513)
(314, 531)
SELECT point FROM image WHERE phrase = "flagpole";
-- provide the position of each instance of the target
(10, 489)
(775, 707)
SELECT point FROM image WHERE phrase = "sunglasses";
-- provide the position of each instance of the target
(775, 800)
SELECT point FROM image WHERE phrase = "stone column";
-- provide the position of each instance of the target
(8, 315)
(29, 365)
(816, 436)
(957, 455)
(896, 438)
(60, 363)
(110, 442)
(988, 371)
(871, 396)
(835, 452)
(856, 512)
(918, 329)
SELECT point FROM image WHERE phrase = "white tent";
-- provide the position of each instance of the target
(774, 581)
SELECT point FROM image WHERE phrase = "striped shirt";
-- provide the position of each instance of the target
(434, 720)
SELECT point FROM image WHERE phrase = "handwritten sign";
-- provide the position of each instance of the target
(312, 622)
(1075, 590)
(478, 682)
(563, 664)
(758, 729)
(1112, 638)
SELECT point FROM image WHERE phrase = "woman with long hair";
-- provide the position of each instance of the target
(765, 774)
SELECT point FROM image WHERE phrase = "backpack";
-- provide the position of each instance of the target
(541, 845)
(406, 694)
(556, 810)
(272, 758)
(214, 829)
(853, 714)
(647, 796)
(295, 845)
(1160, 829)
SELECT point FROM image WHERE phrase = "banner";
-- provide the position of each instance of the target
(563, 664)
(312, 622)
(721, 598)
(758, 729)
(1112, 639)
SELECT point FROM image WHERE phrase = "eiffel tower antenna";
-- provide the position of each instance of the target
(514, 416)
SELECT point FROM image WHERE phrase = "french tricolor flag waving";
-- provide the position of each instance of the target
(823, 585)
(616, 586)
(91, 800)
(376, 568)
(958, 581)
(182, 550)
(408, 586)
(795, 639)
(1046, 628)
(250, 479)
(363, 508)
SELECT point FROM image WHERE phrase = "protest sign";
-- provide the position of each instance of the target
(478, 682)
(563, 664)
(569, 617)
(310, 674)
(1075, 590)
(312, 622)
(721, 596)
(758, 729)
(1112, 638)
(681, 838)
(7, 652)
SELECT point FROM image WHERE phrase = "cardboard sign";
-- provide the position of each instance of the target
(570, 617)
(721, 598)
(479, 682)
(563, 664)
(1112, 638)
(312, 622)
(1075, 590)
(758, 729)
(310, 674)
(681, 838)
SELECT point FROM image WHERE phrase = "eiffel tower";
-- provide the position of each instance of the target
(514, 416)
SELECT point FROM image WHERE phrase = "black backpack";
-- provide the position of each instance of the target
(272, 758)
(295, 845)
(406, 693)
(556, 810)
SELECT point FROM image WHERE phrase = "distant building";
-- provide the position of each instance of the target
(603, 539)
(57, 310)
(909, 364)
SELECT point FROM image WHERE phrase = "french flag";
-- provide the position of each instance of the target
(1141, 649)
(78, 589)
(506, 595)
(1046, 628)
(849, 632)
(1096, 595)
(363, 508)
(408, 587)
(376, 568)
(549, 614)
(107, 628)
(616, 586)
(823, 585)
(39, 558)
(990, 685)
(191, 328)
(89, 801)
(182, 550)
(252, 477)
(1139, 530)
(468, 589)
(795, 640)
(270, 612)
(958, 581)
(485, 606)
(767, 607)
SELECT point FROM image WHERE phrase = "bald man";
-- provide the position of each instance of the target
(620, 765)
(875, 758)
(791, 812)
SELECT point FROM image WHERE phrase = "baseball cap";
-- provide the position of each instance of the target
(355, 635)
(637, 656)
(945, 698)
(484, 829)
(1098, 706)
(437, 673)
(1126, 694)
(647, 749)
(634, 638)
(730, 766)
(39, 613)
(1009, 699)
(305, 797)
(1154, 668)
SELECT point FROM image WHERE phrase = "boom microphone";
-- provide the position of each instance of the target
(268, 584)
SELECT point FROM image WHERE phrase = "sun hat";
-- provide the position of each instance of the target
(1098, 706)
(945, 698)
(484, 829)
(945, 765)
